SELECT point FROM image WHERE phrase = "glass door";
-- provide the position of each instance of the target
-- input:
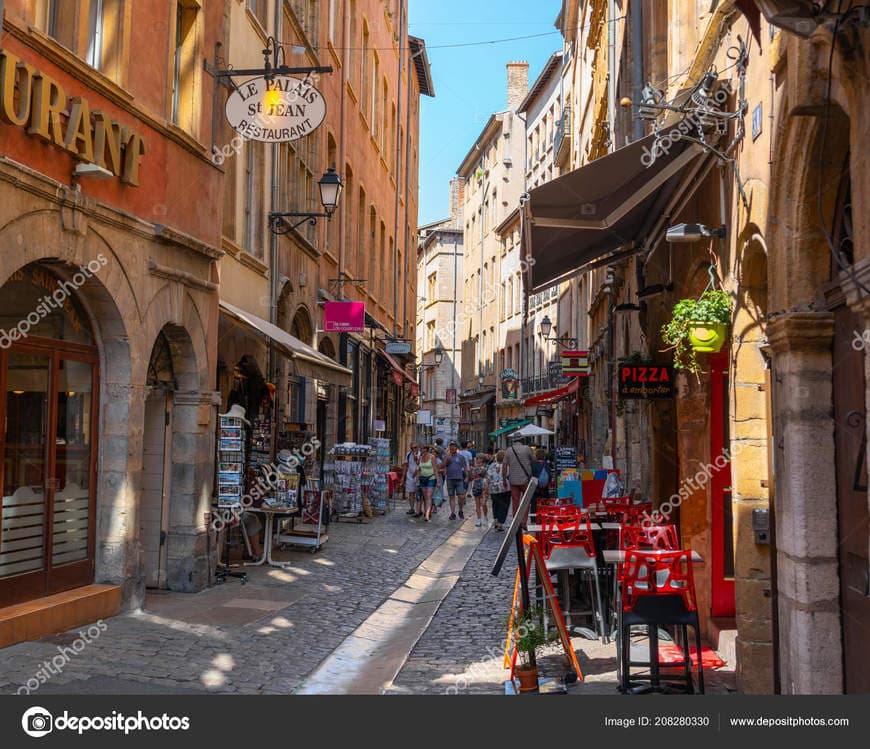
(73, 495)
(25, 411)
(48, 471)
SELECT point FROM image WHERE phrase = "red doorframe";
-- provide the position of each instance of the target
(722, 567)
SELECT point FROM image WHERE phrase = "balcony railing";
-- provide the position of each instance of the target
(543, 383)
(562, 136)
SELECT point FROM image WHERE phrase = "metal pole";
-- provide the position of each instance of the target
(348, 202)
(453, 353)
(403, 44)
(611, 71)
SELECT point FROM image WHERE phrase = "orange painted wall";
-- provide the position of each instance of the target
(179, 185)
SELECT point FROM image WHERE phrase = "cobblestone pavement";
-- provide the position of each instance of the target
(264, 637)
(461, 651)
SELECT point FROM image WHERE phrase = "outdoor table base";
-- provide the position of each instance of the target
(269, 514)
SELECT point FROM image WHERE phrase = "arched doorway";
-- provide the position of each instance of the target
(156, 463)
(49, 378)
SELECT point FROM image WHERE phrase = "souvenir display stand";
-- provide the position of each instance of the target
(231, 480)
(376, 475)
(343, 476)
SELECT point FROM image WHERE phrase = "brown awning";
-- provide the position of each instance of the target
(607, 205)
(307, 361)
(396, 367)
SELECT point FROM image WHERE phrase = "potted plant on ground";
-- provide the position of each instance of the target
(529, 637)
(698, 326)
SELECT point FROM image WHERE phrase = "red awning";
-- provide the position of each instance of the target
(397, 368)
(554, 396)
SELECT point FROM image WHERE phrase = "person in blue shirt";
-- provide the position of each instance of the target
(456, 474)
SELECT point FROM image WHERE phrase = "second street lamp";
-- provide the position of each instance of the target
(330, 192)
(547, 328)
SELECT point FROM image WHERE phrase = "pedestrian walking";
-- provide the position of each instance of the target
(519, 458)
(409, 478)
(541, 471)
(426, 476)
(456, 473)
(498, 490)
(478, 491)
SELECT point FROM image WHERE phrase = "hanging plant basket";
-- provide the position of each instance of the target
(698, 326)
(706, 337)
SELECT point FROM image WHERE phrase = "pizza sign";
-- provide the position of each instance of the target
(646, 381)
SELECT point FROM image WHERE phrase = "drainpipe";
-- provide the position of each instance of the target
(635, 10)
(403, 43)
(610, 286)
(273, 239)
(342, 131)
(453, 354)
(611, 71)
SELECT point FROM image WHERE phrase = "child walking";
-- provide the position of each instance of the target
(478, 490)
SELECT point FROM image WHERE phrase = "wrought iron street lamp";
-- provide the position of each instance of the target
(546, 328)
(330, 192)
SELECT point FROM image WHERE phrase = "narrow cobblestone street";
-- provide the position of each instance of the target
(261, 638)
(314, 627)
(461, 651)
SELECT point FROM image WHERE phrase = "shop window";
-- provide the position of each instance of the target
(296, 400)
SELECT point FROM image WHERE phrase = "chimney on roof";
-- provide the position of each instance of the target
(517, 83)
(457, 201)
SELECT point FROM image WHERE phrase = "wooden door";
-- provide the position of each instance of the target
(850, 435)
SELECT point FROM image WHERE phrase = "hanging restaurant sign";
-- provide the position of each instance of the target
(646, 381)
(575, 363)
(509, 384)
(344, 317)
(276, 111)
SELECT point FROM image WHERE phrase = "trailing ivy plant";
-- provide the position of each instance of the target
(714, 306)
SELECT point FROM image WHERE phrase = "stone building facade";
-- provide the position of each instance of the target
(762, 457)
(439, 320)
(492, 171)
(109, 277)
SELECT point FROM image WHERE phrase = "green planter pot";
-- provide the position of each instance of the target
(707, 337)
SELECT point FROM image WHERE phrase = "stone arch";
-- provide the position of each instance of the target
(111, 304)
(301, 326)
(188, 449)
(327, 348)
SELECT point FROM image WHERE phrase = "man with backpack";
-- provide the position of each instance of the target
(520, 460)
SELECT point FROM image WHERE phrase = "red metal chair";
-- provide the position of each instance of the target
(568, 544)
(613, 507)
(658, 589)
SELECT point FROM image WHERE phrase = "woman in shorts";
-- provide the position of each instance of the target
(426, 471)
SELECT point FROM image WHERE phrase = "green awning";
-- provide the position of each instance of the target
(505, 430)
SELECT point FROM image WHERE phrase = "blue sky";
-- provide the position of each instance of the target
(470, 82)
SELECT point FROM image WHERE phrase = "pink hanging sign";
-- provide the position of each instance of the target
(344, 317)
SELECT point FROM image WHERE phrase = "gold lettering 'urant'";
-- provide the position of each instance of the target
(33, 100)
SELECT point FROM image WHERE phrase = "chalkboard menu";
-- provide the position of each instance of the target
(566, 457)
